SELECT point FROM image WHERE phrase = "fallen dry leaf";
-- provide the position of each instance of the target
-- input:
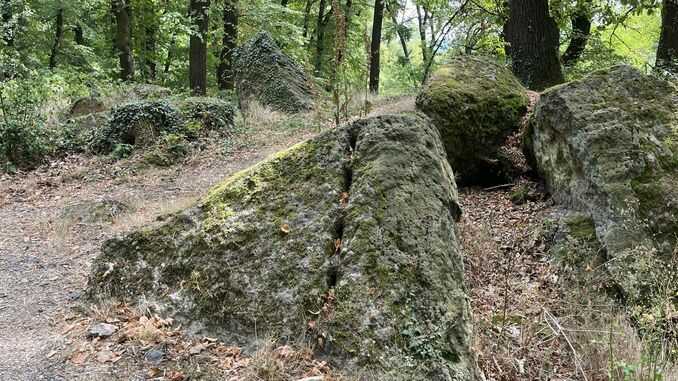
(79, 358)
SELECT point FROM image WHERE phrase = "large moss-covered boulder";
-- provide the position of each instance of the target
(476, 104)
(265, 74)
(607, 146)
(346, 240)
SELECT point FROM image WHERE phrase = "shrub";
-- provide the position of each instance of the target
(212, 114)
(169, 151)
(23, 138)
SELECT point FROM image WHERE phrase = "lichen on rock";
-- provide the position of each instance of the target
(476, 104)
(606, 146)
(265, 74)
(346, 240)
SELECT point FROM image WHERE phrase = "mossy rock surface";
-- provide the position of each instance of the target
(146, 91)
(476, 104)
(606, 145)
(86, 106)
(265, 74)
(346, 240)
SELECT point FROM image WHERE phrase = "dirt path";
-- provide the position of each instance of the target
(45, 258)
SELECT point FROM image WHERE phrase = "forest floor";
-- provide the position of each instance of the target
(520, 310)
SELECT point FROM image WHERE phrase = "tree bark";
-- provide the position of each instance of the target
(225, 75)
(533, 41)
(150, 46)
(320, 39)
(581, 31)
(307, 17)
(422, 18)
(79, 35)
(123, 37)
(58, 37)
(667, 52)
(376, 45)
(401, 37)
(7, 26)
(198, 48)
(170, 54)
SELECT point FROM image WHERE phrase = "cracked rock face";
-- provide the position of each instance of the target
(608, 147)
(265, 74)
(345, 242)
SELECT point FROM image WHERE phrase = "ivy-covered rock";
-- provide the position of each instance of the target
(476, 104)
(346, 240)
(265, 74)
(138, 124)
(607, 145)
(212, 114)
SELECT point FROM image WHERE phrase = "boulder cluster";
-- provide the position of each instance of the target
(346, 242)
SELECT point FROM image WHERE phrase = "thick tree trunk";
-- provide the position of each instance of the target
(581, 31)
(225, 70)
(79, 34)
(123, 37)
(376, 45)
(667, 52)
(58, 37)
(320, 39)
(533, 41)
(7, 24)
(198, 48)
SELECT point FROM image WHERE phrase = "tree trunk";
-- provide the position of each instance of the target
(581, 30)
(7, 23)
(307, 17)
(533, 41)
(58, 37)
(170, 54)
(421, 22)
(150, 46)
(376, 45)
(79, 34)
(320, 39)
(198, 48)
(667, 52)
(123, 37)
(401, 37)
(225, 70)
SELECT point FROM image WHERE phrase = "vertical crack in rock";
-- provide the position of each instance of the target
(333, 272)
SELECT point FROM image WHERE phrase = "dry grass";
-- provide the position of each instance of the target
(146, 212)
(529, 324)
(283, 363)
